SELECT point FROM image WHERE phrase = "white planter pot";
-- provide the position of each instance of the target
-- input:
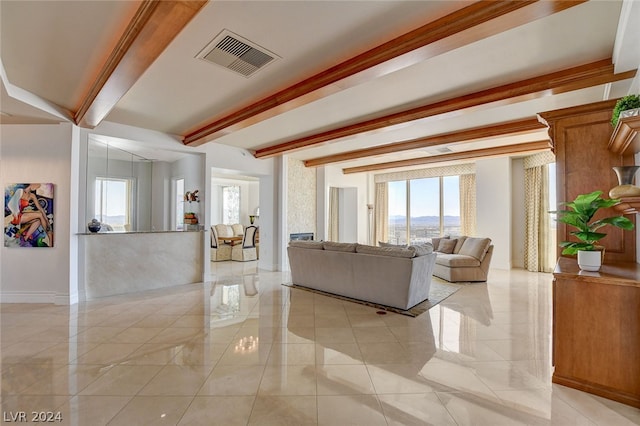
(590, 260)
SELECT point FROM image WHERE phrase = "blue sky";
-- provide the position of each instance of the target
(424, 197)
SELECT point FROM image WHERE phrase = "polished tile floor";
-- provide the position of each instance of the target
(243, 349)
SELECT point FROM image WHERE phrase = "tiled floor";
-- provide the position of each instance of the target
(244, 349)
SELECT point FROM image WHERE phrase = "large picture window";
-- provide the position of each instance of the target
(230, 204)
(433, 205)
(113, 202)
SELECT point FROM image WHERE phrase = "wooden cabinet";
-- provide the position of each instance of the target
(580, 137)
(625, 141)
(596, 329)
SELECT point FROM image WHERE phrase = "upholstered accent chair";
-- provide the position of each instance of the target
(219, 250)
(247, 250)
(238, 229)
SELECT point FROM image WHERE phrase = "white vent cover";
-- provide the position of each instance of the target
(439, 150)
(233, 52)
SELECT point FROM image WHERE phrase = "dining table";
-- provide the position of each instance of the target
(232, 240)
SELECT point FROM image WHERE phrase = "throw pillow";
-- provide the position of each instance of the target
(475, 247)
(447, 246)
(435, 241)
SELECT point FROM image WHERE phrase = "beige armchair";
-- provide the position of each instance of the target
(247, 250)
(238, 229)
(219, 250)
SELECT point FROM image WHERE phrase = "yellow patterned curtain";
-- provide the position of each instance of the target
(333, 214)
(381, 213)
(536, 246)
(468, 204)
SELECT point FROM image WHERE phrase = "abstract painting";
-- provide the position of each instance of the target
(28, 215)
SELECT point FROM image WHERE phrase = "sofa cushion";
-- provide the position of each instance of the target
(421, 249)
(314, 245)
(435, 241)
(476, 247)
(385, 251)
(383, 244)
(447, 246)
(224, 231)
(457, 260)
(459, 242)
(333, 246)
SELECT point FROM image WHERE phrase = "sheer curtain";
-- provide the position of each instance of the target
(333, 214)
(536, 246)
(381, 213)
(468, 204)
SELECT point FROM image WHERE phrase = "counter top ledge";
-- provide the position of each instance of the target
(621, 273)
(141, 232)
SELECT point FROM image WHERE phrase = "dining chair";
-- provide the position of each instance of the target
(247, 250)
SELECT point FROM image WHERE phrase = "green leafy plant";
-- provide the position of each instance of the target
(583, 208)
(623, 104)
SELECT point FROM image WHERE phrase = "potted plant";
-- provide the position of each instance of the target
(583, 208)
(624, 104)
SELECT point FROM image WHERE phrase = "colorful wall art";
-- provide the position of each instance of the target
(28, 215)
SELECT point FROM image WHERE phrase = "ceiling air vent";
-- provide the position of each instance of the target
(233, 52)
(444, 150)
(438, 150)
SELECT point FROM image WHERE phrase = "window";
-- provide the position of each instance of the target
(230, 204)
(433, 205)
(450, 222)
(424, 221)
(113, 202)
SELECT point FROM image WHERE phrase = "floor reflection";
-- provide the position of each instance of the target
(244, 349)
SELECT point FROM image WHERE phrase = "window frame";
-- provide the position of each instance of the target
(100, 204)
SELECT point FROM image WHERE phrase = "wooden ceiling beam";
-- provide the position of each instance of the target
(470, 24)
(503, 129)
(593, 74)
(154, 26)
(455, 156)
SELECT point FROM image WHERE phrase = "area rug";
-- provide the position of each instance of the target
(438, 292)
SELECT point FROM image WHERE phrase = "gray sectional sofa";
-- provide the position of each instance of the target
(390, 276)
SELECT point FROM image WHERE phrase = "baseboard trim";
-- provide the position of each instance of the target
(34, 297)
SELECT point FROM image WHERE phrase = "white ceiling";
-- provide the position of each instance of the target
(53, 50)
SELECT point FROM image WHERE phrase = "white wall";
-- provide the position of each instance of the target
(41, 153)
(348, 215)
(161, 196)
(191, 169)
(329, 176)
(494, 206)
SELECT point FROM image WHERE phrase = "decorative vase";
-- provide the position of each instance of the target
(590, 260)
(252, 219)
(626, 188)
(94, 225)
